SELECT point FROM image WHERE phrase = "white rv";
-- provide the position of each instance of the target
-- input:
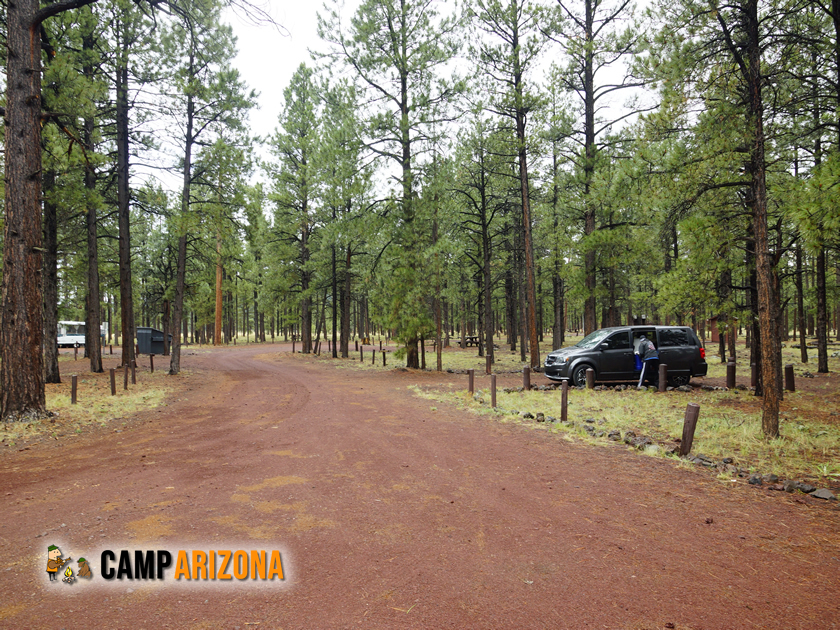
(72, 334)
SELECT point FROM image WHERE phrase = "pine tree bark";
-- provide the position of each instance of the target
(123, 199)
(51, 369)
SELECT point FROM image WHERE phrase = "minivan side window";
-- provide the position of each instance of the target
(617, 341)
(671, 337)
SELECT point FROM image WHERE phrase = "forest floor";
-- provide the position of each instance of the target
(391, 513)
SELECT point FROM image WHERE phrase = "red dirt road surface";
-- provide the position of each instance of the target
(390, 514)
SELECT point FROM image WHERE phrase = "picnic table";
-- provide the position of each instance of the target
(470, 340)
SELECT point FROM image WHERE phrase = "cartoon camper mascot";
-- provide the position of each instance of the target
(54, 562)
(84, 569)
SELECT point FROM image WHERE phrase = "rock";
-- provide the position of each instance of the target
(730, 469)
(770, 478)
(776, 486)
(789, 485)
(652, 449)
(478, 398)
(741, 387)
(685, 388)
(673, 449)
(642, 441)
(669, 389)
(527, 415)
(823, 493)
(590, 420)
(540, 417)
(806, 375)
(550, 419)
(614, 435)
(727, 460)
(600, 434)
(755, 480)
(629, 436)
(589, 428)
(704, 458)
(807, 488)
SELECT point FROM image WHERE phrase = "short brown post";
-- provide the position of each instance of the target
(790, 385)
(753, 375)
(362, 354)
(380, 344)
(488, 367)
(357, 343)
(152, 362)
(692, 413)
(112, 349)
(383, 358)
(113, 382)
(590, 378)
(564, 401)
(730, 375)
(134, 372)
(493, 391)
(74, 384)
(472, 381)
(663, 376)
(293, 344)
(373, 356)
(76, 352)
(526, 379)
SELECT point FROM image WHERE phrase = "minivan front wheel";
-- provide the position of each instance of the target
(579, 375)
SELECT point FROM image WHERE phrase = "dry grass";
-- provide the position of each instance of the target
(95, 404)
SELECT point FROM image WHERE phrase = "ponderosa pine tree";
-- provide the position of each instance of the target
(398, 50)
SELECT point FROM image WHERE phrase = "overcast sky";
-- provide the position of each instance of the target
(267, 58)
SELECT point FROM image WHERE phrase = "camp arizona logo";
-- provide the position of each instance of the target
(186, 566)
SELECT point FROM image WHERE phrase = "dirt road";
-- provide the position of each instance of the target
(393, 515)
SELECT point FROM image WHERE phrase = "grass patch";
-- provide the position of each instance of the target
(95, 406)
(729, 425)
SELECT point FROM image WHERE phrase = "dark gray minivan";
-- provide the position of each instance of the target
(610, 352)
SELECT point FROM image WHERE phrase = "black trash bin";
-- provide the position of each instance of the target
(150, 340)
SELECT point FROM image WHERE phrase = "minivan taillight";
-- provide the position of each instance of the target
(702, 352)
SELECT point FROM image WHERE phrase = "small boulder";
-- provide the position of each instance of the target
(824, 493)
(789, 485)
(807, 488)
(755, 480)
(770, 478)
(527, 415)
(614, 435)
(540, 417)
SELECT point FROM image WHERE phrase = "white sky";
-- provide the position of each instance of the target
(267, 58)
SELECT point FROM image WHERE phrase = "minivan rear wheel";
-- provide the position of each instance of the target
(579, 375)
(678, 380)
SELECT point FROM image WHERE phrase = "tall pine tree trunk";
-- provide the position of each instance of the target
(51, 371)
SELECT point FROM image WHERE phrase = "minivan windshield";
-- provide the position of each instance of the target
(592, 339)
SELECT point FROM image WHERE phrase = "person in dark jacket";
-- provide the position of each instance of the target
(650, 361)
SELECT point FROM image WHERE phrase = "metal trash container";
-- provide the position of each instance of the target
(150, 340)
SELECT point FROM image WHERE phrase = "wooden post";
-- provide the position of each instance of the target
(663, 376)
(493, 390)
(134, 372)
(76, 352)
(753, 375)
(383, 358)
(113, 382)
(526, 379)
(152, 362)
(112, 349)
(472, 381)
(564, 401)
(590, 378)
(125, 376)
(361, 354)
(373, 356)
(730, 375)
(74, 384)
(790, 385)
(380, 344)
(293, 344)
(692, 413)
(357, 343)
